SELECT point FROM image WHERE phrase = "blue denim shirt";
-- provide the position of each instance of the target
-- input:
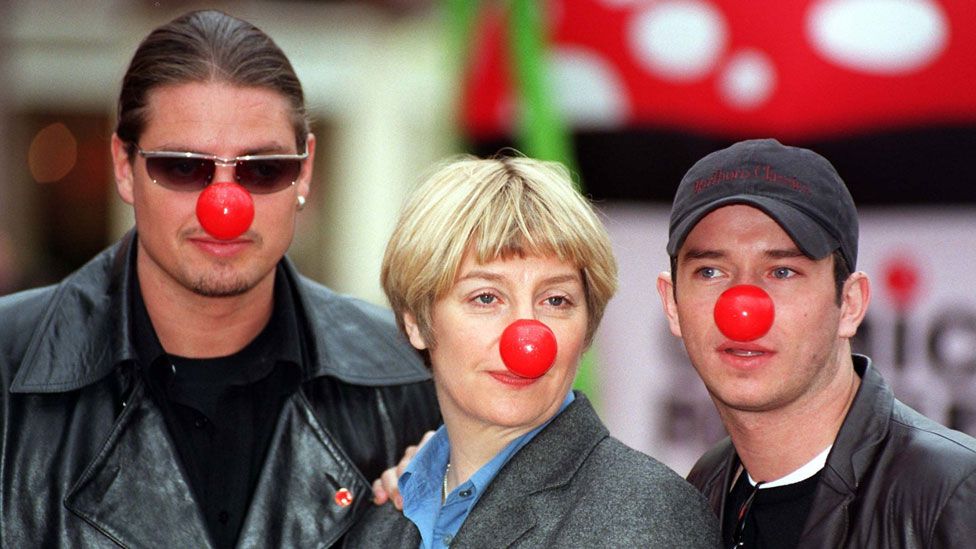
(423, 479)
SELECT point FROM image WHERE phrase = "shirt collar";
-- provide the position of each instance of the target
(281, 338)
(804, 472)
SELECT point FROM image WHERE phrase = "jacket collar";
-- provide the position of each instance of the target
(85, 331)
(855, 449)
(507, 510)
(864, 428)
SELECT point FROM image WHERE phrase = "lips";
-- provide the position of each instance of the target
(221, 248)
(512, 380)
(742, 354)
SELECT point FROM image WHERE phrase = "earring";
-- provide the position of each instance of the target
(301, 202)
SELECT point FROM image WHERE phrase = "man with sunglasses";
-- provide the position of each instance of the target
(764, 295)
(187, 388)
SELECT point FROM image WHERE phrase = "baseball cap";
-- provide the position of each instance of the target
(796, 187)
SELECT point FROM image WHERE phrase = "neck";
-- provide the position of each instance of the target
(471, 451)
(194, 326)
(774, 443)
(474, 445)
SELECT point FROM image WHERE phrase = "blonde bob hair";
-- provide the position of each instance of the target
(496, 208)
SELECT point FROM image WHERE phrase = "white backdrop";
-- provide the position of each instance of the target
(920, 329)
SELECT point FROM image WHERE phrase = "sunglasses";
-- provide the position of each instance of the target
(189, 172)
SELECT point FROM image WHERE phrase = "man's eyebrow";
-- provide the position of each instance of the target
(697, 253)
(701, 253)
(787, 253)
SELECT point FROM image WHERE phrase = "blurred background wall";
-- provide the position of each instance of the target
(629, 92)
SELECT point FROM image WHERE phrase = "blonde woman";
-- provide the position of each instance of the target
(521, 459)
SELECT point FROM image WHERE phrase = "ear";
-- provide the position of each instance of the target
(304, 183)
(665, 289)
(413, 332)
(122, 166)
(854, 304)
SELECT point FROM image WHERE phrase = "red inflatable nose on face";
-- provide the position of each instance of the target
(225, 210)
(528, 348)
(744, 313)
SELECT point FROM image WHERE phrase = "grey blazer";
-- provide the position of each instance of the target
(573, 485)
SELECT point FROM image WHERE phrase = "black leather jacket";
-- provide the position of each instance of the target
(893, 479)
(86, 459)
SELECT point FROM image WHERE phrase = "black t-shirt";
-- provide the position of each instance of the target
(775, 517)
(221, 412)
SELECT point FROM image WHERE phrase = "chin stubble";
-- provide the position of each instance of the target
(211, 288)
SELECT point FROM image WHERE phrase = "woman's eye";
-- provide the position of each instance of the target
(557, 301)
(485, 299)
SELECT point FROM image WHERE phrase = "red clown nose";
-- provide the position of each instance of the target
(225, 210)
(744, 313)
(528, 348)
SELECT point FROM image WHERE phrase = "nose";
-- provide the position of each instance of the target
(528, 348)
(744, 312)
(225, 210)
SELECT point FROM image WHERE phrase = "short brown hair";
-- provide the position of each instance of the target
(495, 208)
(206, 46)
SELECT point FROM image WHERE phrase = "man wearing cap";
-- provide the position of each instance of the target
(820, 453)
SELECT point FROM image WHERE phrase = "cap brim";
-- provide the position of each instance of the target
(807, 234)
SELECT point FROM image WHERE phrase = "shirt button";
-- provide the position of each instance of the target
(223, 517)
(200, 422)
(465, 493)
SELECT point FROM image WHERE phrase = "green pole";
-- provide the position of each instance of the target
(462, 17)
(541, 131)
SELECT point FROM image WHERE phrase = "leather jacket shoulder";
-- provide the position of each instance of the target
(894, 478)
(712, 474)
(356, 341)
(86, 458)
(352, 340)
